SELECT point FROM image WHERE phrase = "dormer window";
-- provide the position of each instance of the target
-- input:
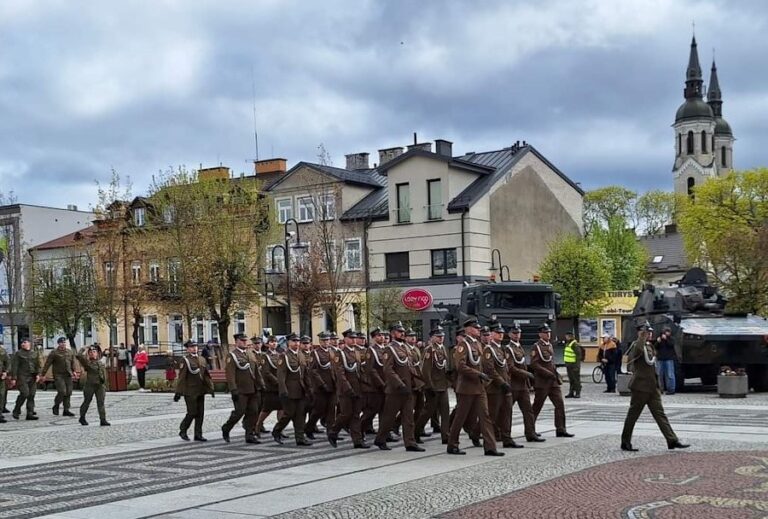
(657, 259)
(139, 216)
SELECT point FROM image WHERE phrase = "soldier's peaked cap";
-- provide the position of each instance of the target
(323, 336)
(190, 344)
(334, 336)
(398, 326)
(306, 339)
(498, 328)
(240, 337)
(293, 337)
(257, 338)
(545, 328)
(376, 331)
(471, 322)
(410, 332)
(61, 340)
(515, 327)
(644, 326)
(485, 330)
(437, 332)
(348, 332)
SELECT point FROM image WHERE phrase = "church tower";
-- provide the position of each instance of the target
(722, 142)
(694, 132)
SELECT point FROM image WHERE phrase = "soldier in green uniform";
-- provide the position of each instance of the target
(25, 372)
(641, 361)
(244, 381)
(573, 355)
(193, 383)
(62, 360)
(434, 372)
(95, 383)
(5, 364)
(293, 385)
(547, 380)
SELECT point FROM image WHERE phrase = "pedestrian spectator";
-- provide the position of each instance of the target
(141, 361)
(207, 353)
(607, 356)
(170, 369)
(665, 361)
(122, 357)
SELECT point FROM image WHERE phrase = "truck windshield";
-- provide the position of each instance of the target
(512, 300)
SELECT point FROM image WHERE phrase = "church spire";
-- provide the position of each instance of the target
(714, 95)
(694, 82)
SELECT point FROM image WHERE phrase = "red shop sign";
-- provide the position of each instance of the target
(416, 299)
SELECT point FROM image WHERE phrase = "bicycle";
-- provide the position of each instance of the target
(598, 374)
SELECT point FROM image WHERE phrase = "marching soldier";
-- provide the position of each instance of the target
(95, 383)
(193, 383)
(399, 379)
(436, 383)
(270, 400)
(472, 402)
(499, 389)
(243, 381)
(62, 359)
(411, 341)
(374, 400)
(323, 386)
(573, 355)
(309, 393)
(645, 392)
(346, 366)
(25, 372)
(5, 363)
(293, 385)
(520, 380)
(547, 380)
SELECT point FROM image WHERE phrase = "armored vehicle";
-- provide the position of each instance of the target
(706, 336)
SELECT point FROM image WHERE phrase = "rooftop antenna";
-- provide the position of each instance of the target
(415, 140)
(253, 94)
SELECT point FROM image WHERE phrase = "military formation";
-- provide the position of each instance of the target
(26, 369)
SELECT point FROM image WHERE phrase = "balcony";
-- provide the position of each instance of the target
(433, 212)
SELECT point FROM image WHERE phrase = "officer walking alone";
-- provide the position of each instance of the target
(95, 383)
(193, 383)
(62, 359)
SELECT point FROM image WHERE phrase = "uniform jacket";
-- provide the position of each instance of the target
(346, 367)
(5, 361)
(95, 372)
(374, 366)
(544, 369)
(366, 386)
(242, 370)
(495, 366)
(468, 358)
(578, 350)
(643, 374)
(398, 372)
(194, 378)
(269, 370)
(321, 370)
(62, 361)
(25, 364)
(292, 375)
(519, 376)
(416, 366)
(434, 368)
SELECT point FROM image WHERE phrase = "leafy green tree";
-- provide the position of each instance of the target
(627, 258)
(603, 204)
(654, 210)
(725, 230)
(580, 273)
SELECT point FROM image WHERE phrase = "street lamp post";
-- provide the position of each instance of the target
(496, 253)
(267, 292)
(287, 262)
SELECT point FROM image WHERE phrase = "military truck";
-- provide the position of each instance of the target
(706, 336)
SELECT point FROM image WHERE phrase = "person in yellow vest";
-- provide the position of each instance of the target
(573, 355)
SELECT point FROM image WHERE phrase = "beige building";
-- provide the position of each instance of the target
(436, 221)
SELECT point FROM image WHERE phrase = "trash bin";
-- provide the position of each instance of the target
(116, 380)
(732, 386)
(622, 383)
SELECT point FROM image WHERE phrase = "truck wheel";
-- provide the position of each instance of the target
(758, 378)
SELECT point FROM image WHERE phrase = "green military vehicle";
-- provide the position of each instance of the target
(706, 336)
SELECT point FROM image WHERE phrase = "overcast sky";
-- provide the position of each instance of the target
(142, 85)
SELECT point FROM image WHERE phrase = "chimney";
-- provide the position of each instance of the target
(217, 173)
(388, 154)
(424, 146)
(262, 167)
(670, 228)
(444, 148)
(357, 161)
(71, 207)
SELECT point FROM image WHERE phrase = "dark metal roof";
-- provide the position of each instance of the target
(365, 177)
(693, 109)
(375, 206)
(671, 250)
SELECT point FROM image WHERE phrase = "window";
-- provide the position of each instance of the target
(691, 185)
(444, 262)
(306, 208)
(327, 205)
(398, 265)
(657, 259)
(199, 329)
(154, 271)
(138, 216)
(723, 157)
(679, 144)
(88, 327)
(214, 331)
(240, 322)
(703, 141)
(143, 330)
(353, 254)
(434, 200)
(153, 337)
(328, 256)
(689, 143)
(113, 332)
(136, 272)
(403, 203)
(169, 214)
(109, 272)
(284, 209)
(278, 265)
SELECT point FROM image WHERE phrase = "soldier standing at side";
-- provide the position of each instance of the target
(193, 383)
(95, 384)
(573, 355)
(25, 371)
(641, 361)
(547, 380)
